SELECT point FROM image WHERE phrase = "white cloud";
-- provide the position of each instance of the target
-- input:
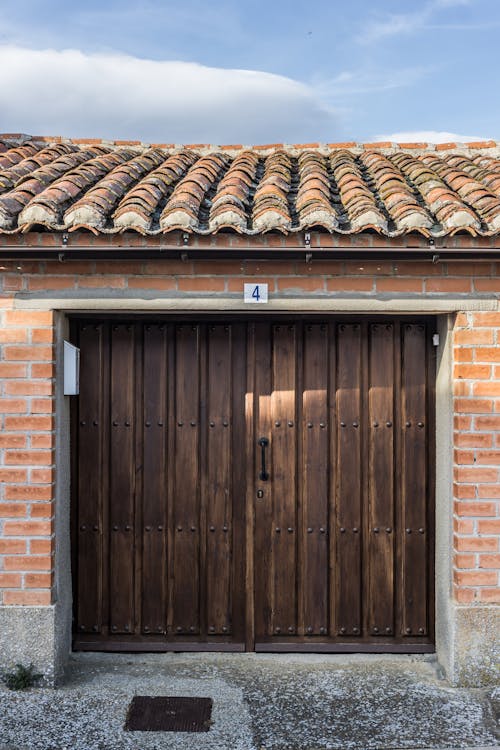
(396, 24)
(427, 136)
(76, 94)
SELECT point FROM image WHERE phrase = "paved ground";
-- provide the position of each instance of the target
(271, 702)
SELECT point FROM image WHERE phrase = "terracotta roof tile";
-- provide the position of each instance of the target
(345, 188)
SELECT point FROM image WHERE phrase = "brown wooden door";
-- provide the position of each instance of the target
(179, 541)
(343, 526)
(160, 511)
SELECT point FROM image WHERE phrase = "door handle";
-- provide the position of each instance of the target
(263, 442)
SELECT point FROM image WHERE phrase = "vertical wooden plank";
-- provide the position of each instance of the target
(264, 525)
(414, 527)
(218, 485)
(249, 540)
(381, 480)
(283, 477)
(349, 477)
(91, 480)
(186, 500)
(122, 479)
(154, 480)
(238, 468)
(314, 468)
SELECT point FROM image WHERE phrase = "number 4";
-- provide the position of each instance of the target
(256, 293)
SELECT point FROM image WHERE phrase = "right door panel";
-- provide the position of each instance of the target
(344, 522)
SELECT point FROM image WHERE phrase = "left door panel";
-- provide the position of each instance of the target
(159, 462)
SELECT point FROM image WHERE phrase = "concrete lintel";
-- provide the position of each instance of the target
(232, 303)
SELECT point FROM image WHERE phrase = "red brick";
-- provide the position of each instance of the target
(43, 371)
(27, 388)
(303, 283)
(38, 580)
(13, 475)
(472, 544)
(50, 282)
(9, 370)
(222, 268)
(28, 353)
(27, 598)
(200, 284)
(473, 405)
(463, 457)
(13, 405)
(489, 527)
(29, 423)
(28, 318)
(13, 510)
(461, 388)
(489, 561)
(12, 547)
(487, 285)
(473, 337)
(487, 423)
(465, 561)
(473, 474)
(464, 491)
(469, 440)
(459, 286)
(42, 476)
(13, 335)
(491, 388)
(472, 372)
(151, 282)
(395, 284)
(167, 268)
(101, 282)
(40, 458)
(28, 562)
(41, 546)
(468, 269)
(464, 596)
(462, 423)
(10, 580)
(475, 509)
(42, 406)
(463, 526)
(487, 319)
(349, 284)
(477, 578)
(27, 528)
(489, 491)
(42, 441)
(42, 335)
(462, 354)
(492, 596)
(487, 354)
(28, 492)
(41, 510)
(488, 457)
(370, 268)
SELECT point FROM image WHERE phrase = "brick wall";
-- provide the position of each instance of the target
(27, 435)
(477, 457)
(26, 454)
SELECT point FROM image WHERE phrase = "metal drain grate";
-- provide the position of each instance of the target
(167, 714)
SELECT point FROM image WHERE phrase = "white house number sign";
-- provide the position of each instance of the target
(255, 293)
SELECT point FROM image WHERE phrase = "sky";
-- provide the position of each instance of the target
(265, 71)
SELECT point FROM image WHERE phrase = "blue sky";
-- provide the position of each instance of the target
(259, 72)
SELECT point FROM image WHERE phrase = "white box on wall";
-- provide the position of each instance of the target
(71, 369)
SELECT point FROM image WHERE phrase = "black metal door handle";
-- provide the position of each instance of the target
(263, 442)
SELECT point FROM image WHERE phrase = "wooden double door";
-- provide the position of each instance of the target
(260, 485)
